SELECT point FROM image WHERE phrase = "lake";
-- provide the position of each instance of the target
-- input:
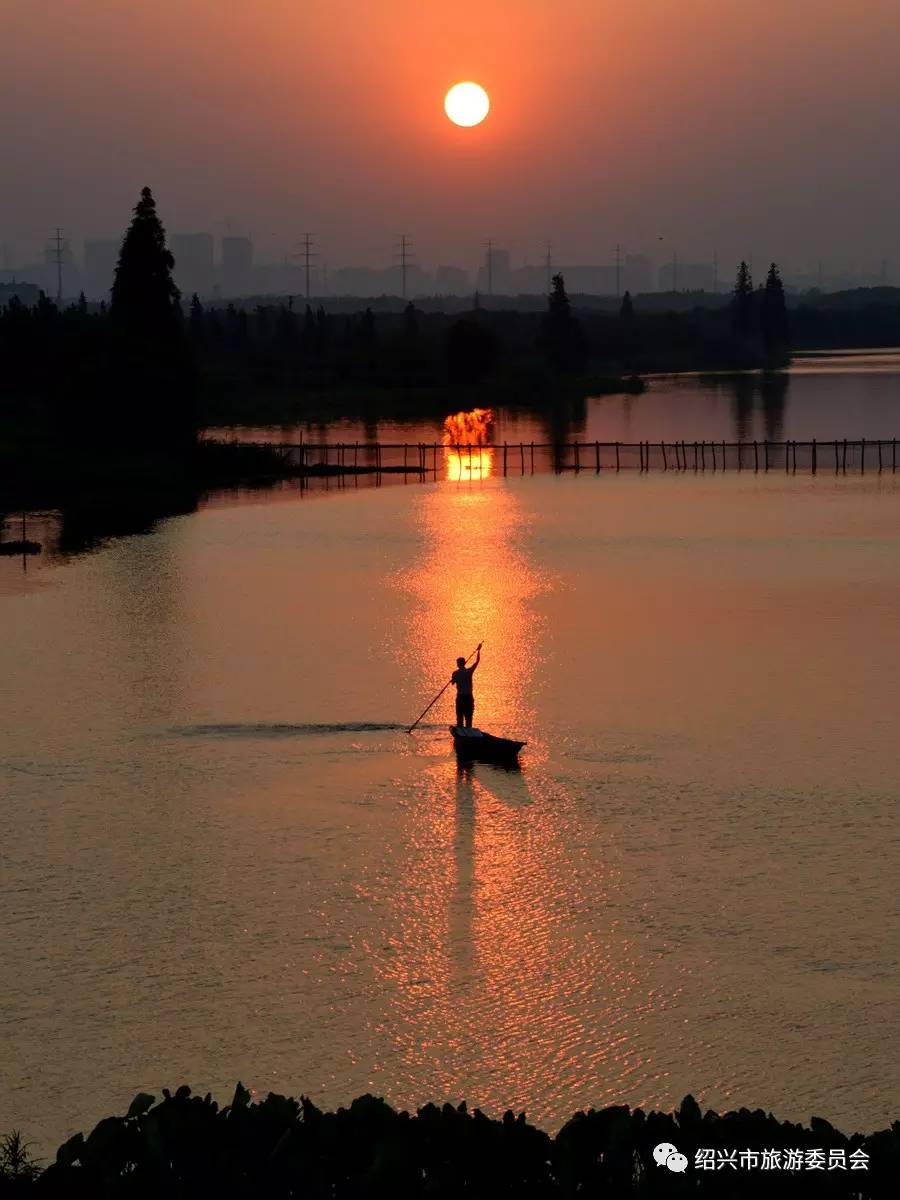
(223, 857)
(826, 395)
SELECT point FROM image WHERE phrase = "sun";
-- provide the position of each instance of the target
(467, 104)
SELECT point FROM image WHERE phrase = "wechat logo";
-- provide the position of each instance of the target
(667, 1155)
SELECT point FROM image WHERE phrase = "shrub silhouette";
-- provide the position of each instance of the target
(186, 1146)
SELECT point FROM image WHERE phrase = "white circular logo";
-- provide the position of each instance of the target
(667, 1155)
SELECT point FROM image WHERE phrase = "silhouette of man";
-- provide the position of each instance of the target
(465, 697)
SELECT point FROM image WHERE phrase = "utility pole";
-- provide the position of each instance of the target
(489, 260)
(58, 248)
(308, 254)
(548, 260)
(405, 256)
(618, 272)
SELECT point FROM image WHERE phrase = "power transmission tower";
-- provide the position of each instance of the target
(58, 248)
(308, 255)
(405, 255)
(618, 271)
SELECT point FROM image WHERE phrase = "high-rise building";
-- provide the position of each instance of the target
(451, 281)
(193, 253)
(494, 277)
(100, 258)
(237, 265)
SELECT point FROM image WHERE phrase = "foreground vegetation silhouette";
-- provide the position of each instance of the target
(186, 1146)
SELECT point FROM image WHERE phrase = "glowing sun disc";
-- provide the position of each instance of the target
(467, 104)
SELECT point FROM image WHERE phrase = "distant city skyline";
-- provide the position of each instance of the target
(766, 131)
(229, 264)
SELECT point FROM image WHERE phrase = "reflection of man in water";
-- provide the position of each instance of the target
(465, 699)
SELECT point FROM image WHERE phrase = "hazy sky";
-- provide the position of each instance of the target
(765, 128)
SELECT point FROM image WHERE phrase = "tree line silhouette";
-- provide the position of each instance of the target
(188, 1146)
(142, 369)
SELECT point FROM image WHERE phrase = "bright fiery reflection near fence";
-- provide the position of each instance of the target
(467, 454)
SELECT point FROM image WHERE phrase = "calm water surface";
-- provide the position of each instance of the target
(847, 394)
(222, 857)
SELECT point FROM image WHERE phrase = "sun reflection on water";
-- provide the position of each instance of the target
(497, 968)
(467, 454)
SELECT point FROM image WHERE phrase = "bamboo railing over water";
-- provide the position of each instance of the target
(438, 460)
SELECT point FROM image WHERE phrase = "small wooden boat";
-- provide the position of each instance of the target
(474, 744)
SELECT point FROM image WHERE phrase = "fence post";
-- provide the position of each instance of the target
(836, 465)
(844, 457)
(766, 451)
(862, 457)
(893, 454)
(617, 456)
(662, 446)
(879, 456)
(597, 453)
(814, 456)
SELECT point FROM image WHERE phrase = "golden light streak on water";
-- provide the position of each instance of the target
(494, 960)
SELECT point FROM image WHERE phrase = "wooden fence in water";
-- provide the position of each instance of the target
(439, 460)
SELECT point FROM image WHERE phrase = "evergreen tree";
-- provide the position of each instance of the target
(743, 305)
(563, 337)
(197, 321)
(152, 397)
(773, 315)
(144, 295)
(410, 322)
(627, 335)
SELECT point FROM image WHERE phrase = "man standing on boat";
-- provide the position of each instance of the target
(465, 697)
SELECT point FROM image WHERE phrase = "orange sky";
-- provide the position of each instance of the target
(767, 128)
